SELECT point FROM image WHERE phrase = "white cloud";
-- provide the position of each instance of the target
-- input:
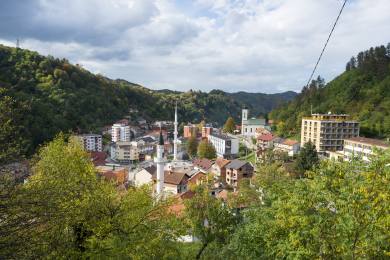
(253, 45)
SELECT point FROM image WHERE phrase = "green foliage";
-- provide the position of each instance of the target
(341, 212)
(56, 96)
(209, 219)
(12, 134)
(306, 159)
(229, 125)
(361, 91)
(206, 150)
(192, 146)
(66, 211)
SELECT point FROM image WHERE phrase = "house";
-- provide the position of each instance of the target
(144, 176)
(113, 173)
(174, 182)
(203, 165)
(197, 178)
(219, 168)
(226, 146)
(291, 147)
(265, 141)
(98, 158)
(237, 170)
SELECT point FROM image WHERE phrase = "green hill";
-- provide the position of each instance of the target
(42, 96)
(363, 91)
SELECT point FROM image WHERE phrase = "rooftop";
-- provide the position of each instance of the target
(223, 136)
(236, 164)
(290, 142)
(204, 164)
(265, 137)
(172, 177)
(370, 141)
(255, 121)
(221, 162)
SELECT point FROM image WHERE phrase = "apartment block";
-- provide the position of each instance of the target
(226, 146)
(91, 142)
(190, 131)
(124, 152)
(120, 132)
(362, 147)
(328, 131)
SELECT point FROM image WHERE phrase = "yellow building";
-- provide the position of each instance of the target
(327, 131)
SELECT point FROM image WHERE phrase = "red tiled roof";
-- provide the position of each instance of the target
(197, 176)
(221, 162)
(290, 142)
(204, 164)
(174, 178)
(98, 158)
(266, 137)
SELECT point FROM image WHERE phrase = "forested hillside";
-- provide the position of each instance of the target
(41, 96)
(363, 91)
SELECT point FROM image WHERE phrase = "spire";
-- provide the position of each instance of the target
(161, 139)
(175, 136)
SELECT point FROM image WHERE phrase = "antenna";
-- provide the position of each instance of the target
(17, 43)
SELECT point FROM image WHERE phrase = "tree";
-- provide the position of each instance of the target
(192, 146)
(209, 219)
(306, 159)
(12, 135)
(206, 150)
(66, 211)
(229, 126)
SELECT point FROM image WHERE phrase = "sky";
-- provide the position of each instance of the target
(264, 46)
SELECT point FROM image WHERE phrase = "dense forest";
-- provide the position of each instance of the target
(363, 91)
(42, 96)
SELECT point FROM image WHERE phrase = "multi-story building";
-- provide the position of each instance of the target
(219, 168)
(226, 146)
(124, 152)
(91, 142)
(236, 170)
(190, 130)
(328, 131)
(206, 131)
(362, 147)
(120, 132)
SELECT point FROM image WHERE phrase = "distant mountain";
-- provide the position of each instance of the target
(363, 91)
(46, 95)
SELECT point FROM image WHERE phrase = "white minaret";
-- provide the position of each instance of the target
(244, 118)
(160, 161)
(175, 136)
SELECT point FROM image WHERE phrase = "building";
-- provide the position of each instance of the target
(219, 168)
(172, 182)
(113, 173)
(265, 141)
(144, 176)
(206, 131)
(362, 147)
(328, 131)
(197, 178)
(226, 146)
(120, 132)
(190, 131)
(203, 165)
(98, 158)
(124, 152)
(237, 170)
(291, 147)
(91, 142)
(249, 126)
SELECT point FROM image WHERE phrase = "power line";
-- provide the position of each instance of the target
(326, 43)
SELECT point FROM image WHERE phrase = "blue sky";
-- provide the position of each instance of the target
(235, 45)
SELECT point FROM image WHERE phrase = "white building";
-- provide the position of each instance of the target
(250, 126)
(291, 147)
(124, 152)
(91, 142)
(362, 147)
(226, 146)
(120, 132)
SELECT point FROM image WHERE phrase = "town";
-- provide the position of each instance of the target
(152, 153)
